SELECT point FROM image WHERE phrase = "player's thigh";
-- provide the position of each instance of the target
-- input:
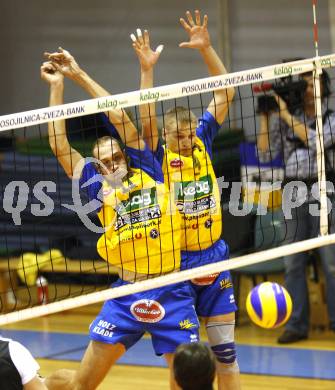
(98, 359)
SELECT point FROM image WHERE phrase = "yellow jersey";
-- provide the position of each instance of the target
(142, 231)
(193, 183)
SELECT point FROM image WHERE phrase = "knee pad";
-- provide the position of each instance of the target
(221, 341)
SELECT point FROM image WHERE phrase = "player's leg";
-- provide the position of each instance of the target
(97, 361)
(216, 304)
(220, 332)
(112, 332)
(178, 326)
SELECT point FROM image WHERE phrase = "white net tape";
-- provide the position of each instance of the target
(130, 99)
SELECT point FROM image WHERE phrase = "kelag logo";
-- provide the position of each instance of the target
(326, 62)
(148, 96)
(283, 70)
(193, 190)
(138, 200)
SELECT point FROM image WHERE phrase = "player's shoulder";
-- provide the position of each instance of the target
(207, 119)
(139, 178)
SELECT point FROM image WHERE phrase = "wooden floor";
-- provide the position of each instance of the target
(131, 377)
(148, 378)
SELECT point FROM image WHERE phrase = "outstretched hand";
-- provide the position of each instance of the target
(146, 56)
(50, 74)
(64, 62)
(197, 31)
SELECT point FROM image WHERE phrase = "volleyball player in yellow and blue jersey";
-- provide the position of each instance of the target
(187, 167)
(139, 237)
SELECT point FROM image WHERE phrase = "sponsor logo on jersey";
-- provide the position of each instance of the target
(193, 338)
(193, 190)
(176, 163)
(154, 233)
(231, 298)
(142, 206)
(193, 197)
(147, 310)
(196, 206)
(137, 200)
(206, 280)
(104, 328)
(187, 324)
(225, 283)
(208, 223)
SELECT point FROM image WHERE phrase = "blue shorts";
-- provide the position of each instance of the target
(214, 294)
(167, 313)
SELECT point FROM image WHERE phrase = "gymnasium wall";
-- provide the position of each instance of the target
(97, 33)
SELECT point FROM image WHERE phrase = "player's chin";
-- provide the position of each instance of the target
(187, 152)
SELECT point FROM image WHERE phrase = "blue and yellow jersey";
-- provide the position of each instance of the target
(142, 232)
(193, 183)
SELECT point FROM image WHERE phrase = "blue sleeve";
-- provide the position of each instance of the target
(207, 130)
(145, 160)
(110, 127)
(92, 190)
(159, 153)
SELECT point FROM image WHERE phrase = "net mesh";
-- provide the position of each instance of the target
(49, 257)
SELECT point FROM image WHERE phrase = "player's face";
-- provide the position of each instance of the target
(111, 156)
(181, 138)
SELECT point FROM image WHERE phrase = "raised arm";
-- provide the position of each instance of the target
(66, 155)
(147, 59)
(199, 39)
(65, 63)
(299, 128)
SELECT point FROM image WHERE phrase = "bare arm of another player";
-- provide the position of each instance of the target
(147, 59)
(68, 66)
(200, 39)
(66, 155)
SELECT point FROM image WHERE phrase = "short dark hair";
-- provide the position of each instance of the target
(179, 114)
(194, 367)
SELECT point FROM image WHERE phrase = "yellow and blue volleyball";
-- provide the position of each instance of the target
(269, 305)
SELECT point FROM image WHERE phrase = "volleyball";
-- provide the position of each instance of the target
(269, 305)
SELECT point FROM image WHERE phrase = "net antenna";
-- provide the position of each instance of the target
(320, 151)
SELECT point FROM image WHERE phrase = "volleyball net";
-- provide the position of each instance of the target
(50, 232)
